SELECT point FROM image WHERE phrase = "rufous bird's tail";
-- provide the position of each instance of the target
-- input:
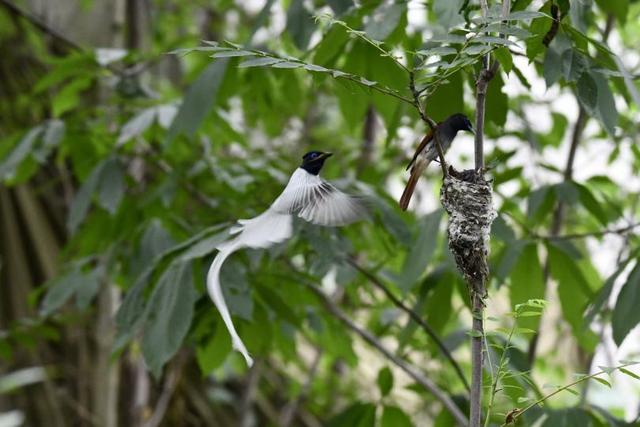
(411, 186)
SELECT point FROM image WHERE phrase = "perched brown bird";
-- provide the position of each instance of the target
(427, 151)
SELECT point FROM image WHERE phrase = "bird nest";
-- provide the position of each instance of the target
(466, 196)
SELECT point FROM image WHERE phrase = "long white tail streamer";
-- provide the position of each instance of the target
(215, 292)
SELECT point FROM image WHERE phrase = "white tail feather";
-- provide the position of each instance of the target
(215, 292)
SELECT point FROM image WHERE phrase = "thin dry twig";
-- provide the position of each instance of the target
(414, 316)
(408, 368)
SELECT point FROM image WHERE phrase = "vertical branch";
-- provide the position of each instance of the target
(559, 211)
(478, 290)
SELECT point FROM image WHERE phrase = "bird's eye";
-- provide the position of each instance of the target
(314, 155)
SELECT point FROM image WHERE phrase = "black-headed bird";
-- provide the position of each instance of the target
(307, 196)
(427, 151)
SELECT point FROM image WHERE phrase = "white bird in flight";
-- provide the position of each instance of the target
(307, 196)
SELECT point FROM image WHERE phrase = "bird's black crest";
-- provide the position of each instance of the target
(459, 121)
(313, 161)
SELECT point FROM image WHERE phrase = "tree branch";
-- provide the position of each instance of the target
(487, 73)
(559, 211)
(598, 233)
(417, 376)
(414, 316)
(39, 24)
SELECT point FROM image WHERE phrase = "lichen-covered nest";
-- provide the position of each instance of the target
(466, 196)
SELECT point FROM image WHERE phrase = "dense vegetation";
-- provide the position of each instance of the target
(122, 168)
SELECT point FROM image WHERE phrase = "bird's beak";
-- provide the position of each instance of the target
(472, 130)
(324, 156)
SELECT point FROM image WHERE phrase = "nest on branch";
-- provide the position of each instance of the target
(466, 196)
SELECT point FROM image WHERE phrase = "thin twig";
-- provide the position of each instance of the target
(39, 24)
(428, 120)
(414, 316)
(408, 368)
(291, 408)
(168, 389)
(518, 412)
(598, 233)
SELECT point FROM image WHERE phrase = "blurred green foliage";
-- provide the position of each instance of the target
(161, 161)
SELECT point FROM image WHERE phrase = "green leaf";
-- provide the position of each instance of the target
(331, 45)
(509, 258)
(385, 381)
(110, 187)
(447, 99)
(618, 8)
(53, 132)
(259, 62)
(357, 415)
(525, 15)
(573, 64)
(137, 125)
(540, 203)
(602, 381)
(60, 290)
(604, 294)
(300, 24)
(439, 307)
(421, 251)
(606, 110)
(384, 19)
(232, 53)
(82, 200)
(287, 64)
(447, 12)
(626, 314)
(168, 315)
(213, 352)
(340, 6)
(438, 50)
(591, 204)
(552, 67)
(494, 40)
(573, 292)
(497, 102)
(19, 153)
(629, 373)
(527, 282)
(504, 57)
(68, 97)
(204, 246)
(566, 192)
(392, 416)
(587, 92)
(447, 38)
(200, 98)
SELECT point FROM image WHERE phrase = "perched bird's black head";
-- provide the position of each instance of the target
(312, 161)
(458, 122)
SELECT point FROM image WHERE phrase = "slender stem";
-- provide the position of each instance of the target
(518, 413)
(598, 233)
(414, 316)
(478, 289)
(408, 368)
(475, 414)
(496, 378)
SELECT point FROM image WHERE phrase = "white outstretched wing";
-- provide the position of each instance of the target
(317, 201)
(307, 196)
